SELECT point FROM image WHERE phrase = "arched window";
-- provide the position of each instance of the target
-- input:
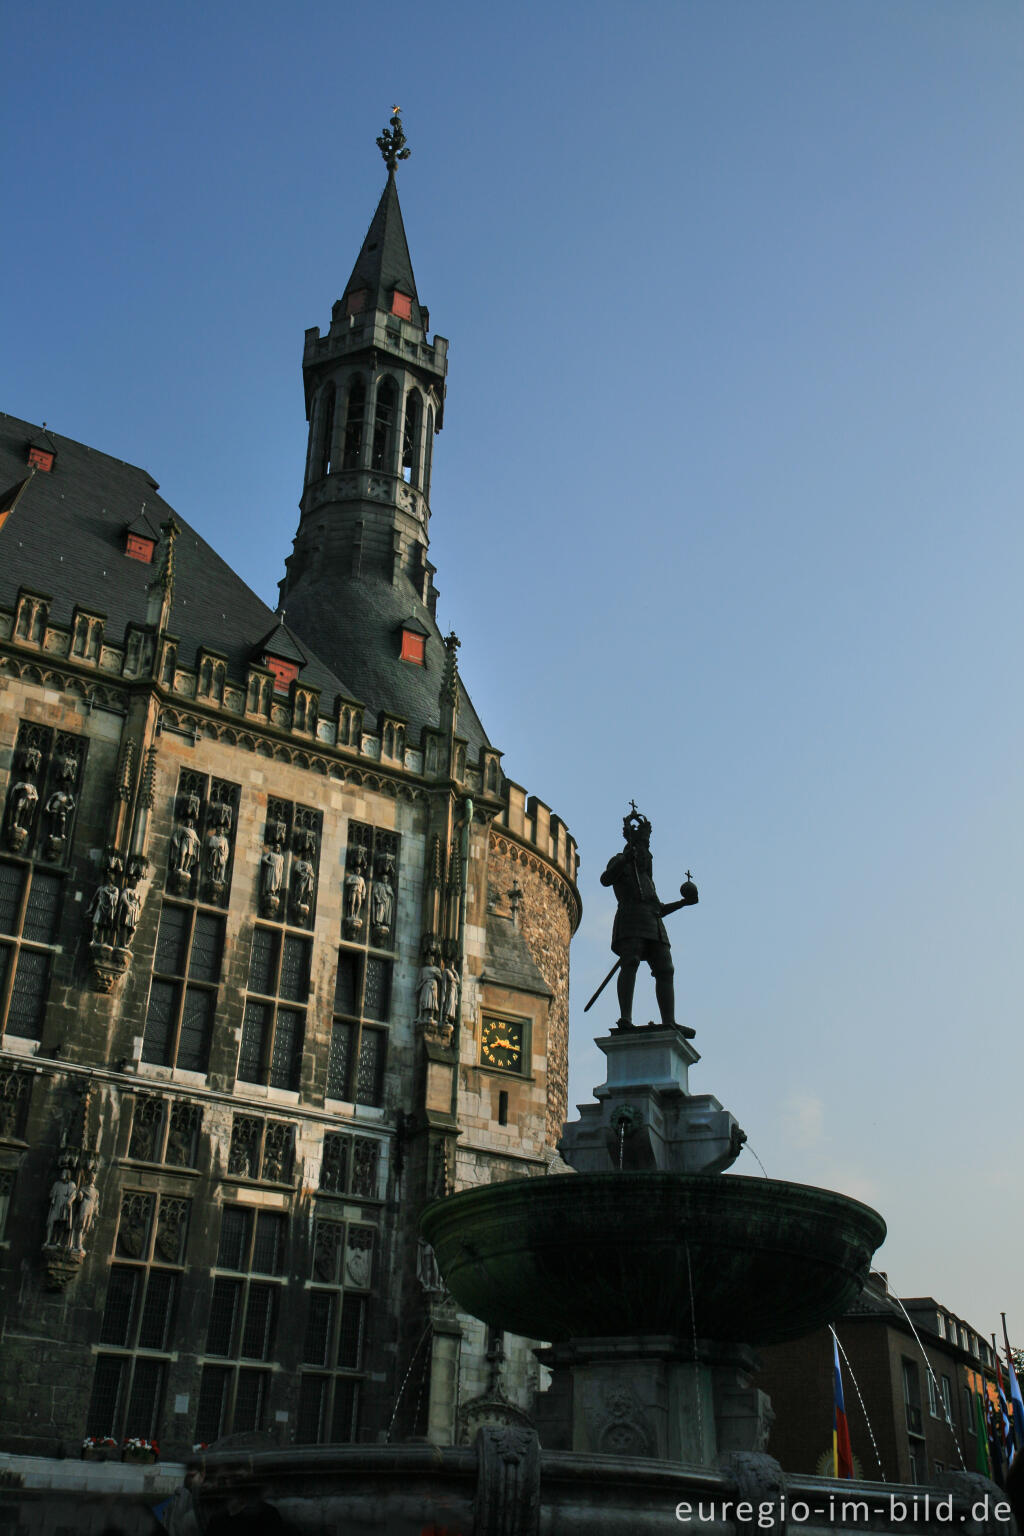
(384, 426)
(353, 450)
(326, 430)
(428, 452)
(411, 437)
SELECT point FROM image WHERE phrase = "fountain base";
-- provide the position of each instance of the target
(652, 1397)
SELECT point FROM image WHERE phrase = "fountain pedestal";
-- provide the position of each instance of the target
(646, 1116)
(649, 1396)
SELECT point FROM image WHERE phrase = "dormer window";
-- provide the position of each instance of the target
(401, 305)
(42, 451)
(356, 302)
(413, 645)
(285, 672)
(140, 538)
(138, 548)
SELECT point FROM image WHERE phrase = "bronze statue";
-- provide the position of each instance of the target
(639, 933)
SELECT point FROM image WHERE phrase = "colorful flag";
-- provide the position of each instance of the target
(1015, 1395)
(982, 1462)
(842, 1453)
(9, 499)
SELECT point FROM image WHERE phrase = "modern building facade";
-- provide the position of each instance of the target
(909, 1420)
(283, 951)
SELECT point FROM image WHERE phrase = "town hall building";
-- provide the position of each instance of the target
(283, 949)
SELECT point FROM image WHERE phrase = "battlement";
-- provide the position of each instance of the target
(530, 821)
(382, 333)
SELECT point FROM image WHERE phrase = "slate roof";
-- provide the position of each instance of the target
(509, 962)
(384, 262)
(356, 623)
(66, 539)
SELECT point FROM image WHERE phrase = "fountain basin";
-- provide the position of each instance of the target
(599, 1255)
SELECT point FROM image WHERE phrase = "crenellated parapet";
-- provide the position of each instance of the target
(205, 699)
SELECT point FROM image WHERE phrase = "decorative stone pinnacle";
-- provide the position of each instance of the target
(391, 142)
(450, 678)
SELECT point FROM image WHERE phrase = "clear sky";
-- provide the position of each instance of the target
(726, 509)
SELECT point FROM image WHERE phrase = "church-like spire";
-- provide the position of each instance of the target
(383, 267)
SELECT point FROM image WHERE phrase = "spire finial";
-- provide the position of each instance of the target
(391, 142)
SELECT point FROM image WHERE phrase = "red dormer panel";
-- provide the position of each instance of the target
(285, 672)
(138, 548)
(356, 302)
(401, 305)
(414, 647)
(41, 459)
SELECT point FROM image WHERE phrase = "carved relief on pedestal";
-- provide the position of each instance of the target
(113, 915)
(73, 1205)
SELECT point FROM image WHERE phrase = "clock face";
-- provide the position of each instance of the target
(501, 1044)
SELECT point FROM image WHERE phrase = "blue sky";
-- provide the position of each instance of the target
(726, 507)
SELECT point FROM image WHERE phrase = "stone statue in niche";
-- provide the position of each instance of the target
(383, 903)
(220, 816)
(271, 876)
(59, 810)
(428, 990)
(302, 887)
(218, 851)
(103, 912)
(63, 1194)
(86, 1210)
(21, 810)
(355, 890)
(450, 1005)
(67, 770)
(129, 909)
(185, 851)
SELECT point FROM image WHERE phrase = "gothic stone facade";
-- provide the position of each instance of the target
(283, 952)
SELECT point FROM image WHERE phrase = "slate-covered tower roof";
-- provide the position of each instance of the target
(359, 586)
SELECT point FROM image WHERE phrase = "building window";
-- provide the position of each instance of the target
(401, 305)
(274, 1022)
(183, 992)
(362, 994)
(969, 1411)
(336, 1320)
(242, 1324)
(261, 1149)
(353, 450)
(6, 1196)
(912, 1397)
(947, 1398)
(165, 1131)
(15, 1090)
(384, 427)
(933, 1401)
(139, 1316)
(326, 430)
(30, 905)
(351, 1166)
(941, 1325)
(356, 301)
(411, 433)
